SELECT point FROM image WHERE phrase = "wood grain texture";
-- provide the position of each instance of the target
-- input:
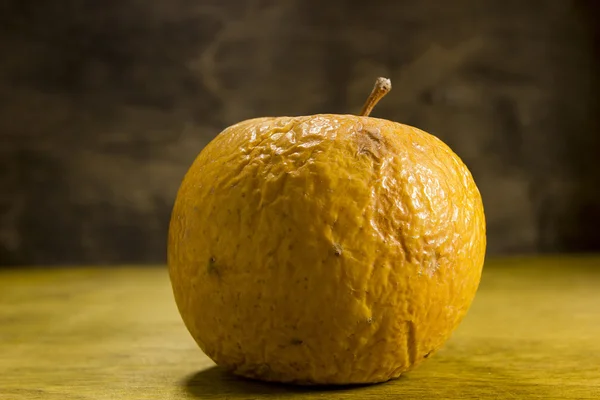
(114, 333)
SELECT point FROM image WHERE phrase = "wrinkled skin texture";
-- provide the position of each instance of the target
(328, 249)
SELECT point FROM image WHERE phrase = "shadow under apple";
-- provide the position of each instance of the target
(216, 381)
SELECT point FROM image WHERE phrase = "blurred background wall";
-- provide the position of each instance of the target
(104, 105)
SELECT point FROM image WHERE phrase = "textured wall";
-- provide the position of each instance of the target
(103, 106)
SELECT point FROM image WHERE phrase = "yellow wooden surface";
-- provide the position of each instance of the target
(114, 333)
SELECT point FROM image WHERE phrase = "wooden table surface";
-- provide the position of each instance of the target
(114, 333)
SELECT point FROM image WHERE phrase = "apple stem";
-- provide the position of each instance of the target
(381, 88)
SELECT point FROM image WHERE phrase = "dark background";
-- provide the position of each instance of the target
(104, 105)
